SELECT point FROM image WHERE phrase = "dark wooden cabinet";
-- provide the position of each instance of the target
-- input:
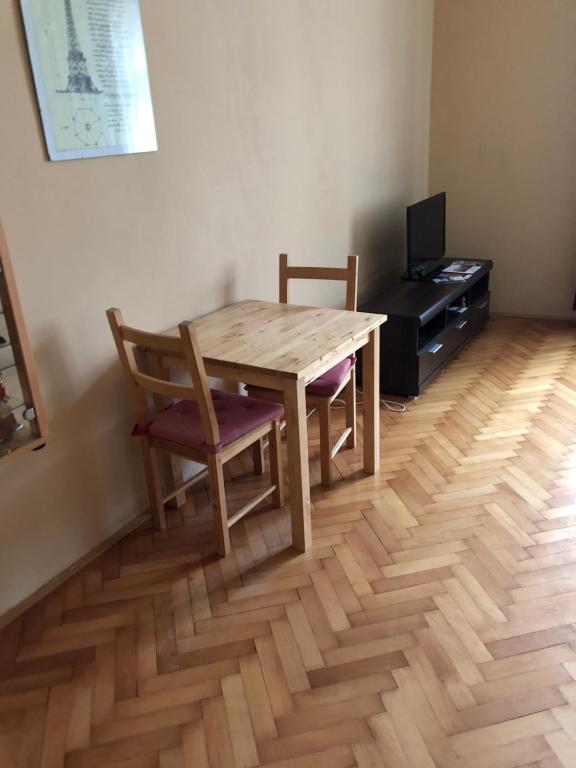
(428, 325)
(23, 425)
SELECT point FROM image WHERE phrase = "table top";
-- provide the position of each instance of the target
(281, 339)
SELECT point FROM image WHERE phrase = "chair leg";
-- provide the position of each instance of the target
(350, 400)
(276, 465)
(257, 450)
(325, 436)
(218, 499)
(152, 470)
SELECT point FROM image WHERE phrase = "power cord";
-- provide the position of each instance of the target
(390, 405)
(338, 403)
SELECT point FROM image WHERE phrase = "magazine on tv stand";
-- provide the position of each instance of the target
(458, 272)
(462, 268)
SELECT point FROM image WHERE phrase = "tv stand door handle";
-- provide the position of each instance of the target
(462, 324)
(435, 348)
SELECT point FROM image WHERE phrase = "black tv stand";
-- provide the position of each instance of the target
(428, 325)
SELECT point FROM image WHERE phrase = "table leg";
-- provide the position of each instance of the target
(297, 444)
(371, 392)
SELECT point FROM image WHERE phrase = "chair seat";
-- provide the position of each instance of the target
(236, 416)
(329, 383)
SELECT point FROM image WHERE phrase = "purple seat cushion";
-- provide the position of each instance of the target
(329, 383)
(236, 415)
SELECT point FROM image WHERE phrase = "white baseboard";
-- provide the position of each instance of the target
(512, 315)
(58, 580)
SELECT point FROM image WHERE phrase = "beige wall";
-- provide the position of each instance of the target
(300, 125)
(503, 144)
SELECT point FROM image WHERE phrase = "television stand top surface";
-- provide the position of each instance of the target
(420, 299)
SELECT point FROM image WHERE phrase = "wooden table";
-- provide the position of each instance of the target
(283, 347)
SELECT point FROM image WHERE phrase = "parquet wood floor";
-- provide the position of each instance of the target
(433, 624)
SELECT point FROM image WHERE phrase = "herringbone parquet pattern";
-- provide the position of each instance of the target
(432, 624)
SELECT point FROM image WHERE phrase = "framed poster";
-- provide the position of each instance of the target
(91, 76)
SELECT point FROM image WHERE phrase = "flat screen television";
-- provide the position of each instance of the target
(425, 236)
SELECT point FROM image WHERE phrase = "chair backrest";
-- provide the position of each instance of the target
(347, 274)
(183, 346)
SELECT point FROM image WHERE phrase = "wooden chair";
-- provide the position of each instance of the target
(321, 393)
(206, 426)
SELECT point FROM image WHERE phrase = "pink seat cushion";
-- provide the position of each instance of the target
(236, 415)
(329, 383)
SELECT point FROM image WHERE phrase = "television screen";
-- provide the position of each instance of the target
(426, 229)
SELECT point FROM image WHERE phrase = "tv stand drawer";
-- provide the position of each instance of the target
(435, 354)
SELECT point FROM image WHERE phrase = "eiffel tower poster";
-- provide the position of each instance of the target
(89, 64)
(79, 79)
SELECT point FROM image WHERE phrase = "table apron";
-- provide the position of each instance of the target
(243, 376)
